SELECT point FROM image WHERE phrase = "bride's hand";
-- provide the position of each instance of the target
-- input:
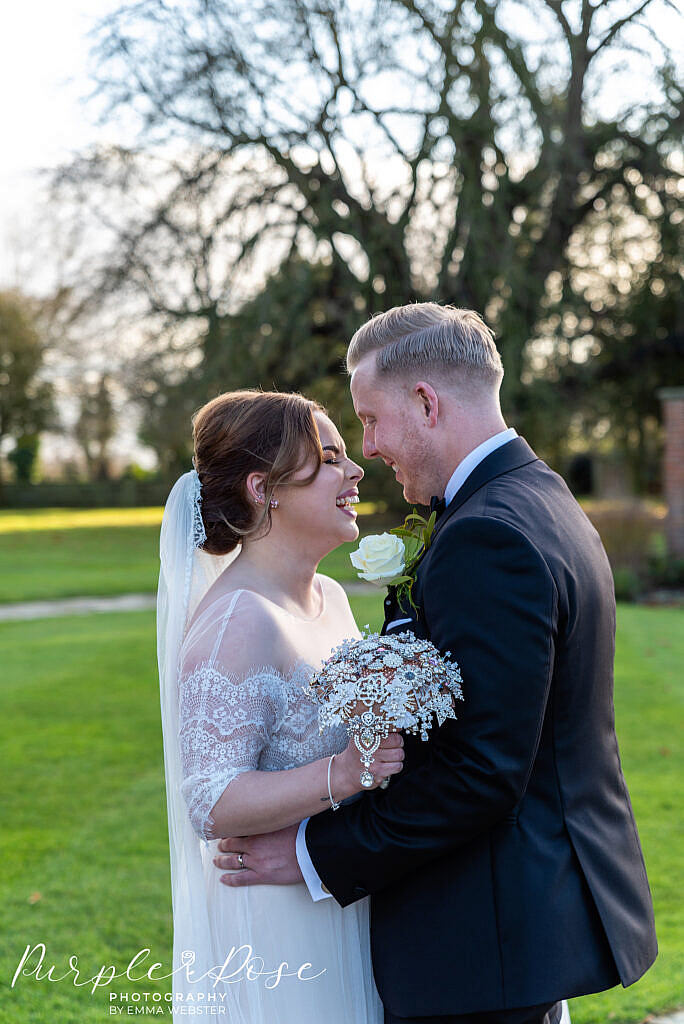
(387, 760)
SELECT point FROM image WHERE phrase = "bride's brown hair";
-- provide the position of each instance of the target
(242, 432)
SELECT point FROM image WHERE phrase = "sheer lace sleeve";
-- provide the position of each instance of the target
(229, 705)
(225, 724)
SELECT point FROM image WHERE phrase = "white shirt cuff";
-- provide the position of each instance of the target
(313, 882)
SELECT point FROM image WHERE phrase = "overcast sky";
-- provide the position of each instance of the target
(43, 58)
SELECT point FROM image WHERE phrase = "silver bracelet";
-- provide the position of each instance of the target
(333, 805)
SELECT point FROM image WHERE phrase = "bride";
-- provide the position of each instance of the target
(243, 621)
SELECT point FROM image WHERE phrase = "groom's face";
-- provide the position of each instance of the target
(393, 430)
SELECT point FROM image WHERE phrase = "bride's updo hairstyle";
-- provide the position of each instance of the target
(243, 432)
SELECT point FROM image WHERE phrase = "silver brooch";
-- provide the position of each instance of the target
(382, 683)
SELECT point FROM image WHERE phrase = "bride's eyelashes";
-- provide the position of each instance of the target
(332, 460)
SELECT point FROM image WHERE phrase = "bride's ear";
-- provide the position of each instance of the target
(256, 488)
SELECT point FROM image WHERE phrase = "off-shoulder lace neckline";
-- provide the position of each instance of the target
(301, 669)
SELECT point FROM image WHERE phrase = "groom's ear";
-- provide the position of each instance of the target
(429, 402)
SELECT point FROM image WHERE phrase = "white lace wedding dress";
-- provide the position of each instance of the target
(241, 708)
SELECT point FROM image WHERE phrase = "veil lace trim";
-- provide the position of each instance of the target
(199, 534)
(196, 535)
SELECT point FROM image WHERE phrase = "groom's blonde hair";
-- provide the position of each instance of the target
(428, 337)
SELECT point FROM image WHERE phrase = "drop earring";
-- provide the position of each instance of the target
(274, 503)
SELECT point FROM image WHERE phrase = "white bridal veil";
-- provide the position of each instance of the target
(185, 574)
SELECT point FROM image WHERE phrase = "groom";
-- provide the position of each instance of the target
(503, 863)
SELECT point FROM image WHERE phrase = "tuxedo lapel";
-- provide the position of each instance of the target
(510, 456)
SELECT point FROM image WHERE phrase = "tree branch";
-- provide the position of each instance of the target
(617, 27)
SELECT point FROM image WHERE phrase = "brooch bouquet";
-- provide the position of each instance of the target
(379, 684)
(390, 559)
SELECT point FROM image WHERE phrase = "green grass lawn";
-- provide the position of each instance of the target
(84, 843)
(52, 553)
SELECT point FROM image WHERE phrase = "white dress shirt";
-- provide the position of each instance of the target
(456, 481)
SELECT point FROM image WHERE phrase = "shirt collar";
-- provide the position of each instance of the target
(474, 458)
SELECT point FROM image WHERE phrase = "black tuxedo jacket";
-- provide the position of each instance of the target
(503, 862)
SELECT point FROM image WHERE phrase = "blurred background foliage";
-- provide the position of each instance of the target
(299, 166)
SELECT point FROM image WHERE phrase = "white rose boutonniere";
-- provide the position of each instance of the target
(379, 558)
(390, 559)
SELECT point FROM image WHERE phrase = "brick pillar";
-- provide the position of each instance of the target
(673, 476)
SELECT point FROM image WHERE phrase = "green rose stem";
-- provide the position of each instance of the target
(416, 532)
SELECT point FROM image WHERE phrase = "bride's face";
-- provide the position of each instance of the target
(325, 508)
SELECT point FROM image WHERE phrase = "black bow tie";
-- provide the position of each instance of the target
(437, 505)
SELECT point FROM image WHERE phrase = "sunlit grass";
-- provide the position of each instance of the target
(653, 506)
(84, 841)
(40, 519)
(649, 707)
(22, 520)
(79, 561)
(57, 553)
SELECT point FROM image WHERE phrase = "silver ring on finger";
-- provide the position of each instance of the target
(241, 862)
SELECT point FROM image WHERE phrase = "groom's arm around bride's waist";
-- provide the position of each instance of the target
(491, 601)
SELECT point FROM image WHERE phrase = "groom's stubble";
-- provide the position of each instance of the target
(400, 435)
(421, 476)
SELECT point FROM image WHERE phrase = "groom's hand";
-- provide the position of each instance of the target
(268, 859)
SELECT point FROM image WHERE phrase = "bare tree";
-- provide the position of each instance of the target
(445, 150)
